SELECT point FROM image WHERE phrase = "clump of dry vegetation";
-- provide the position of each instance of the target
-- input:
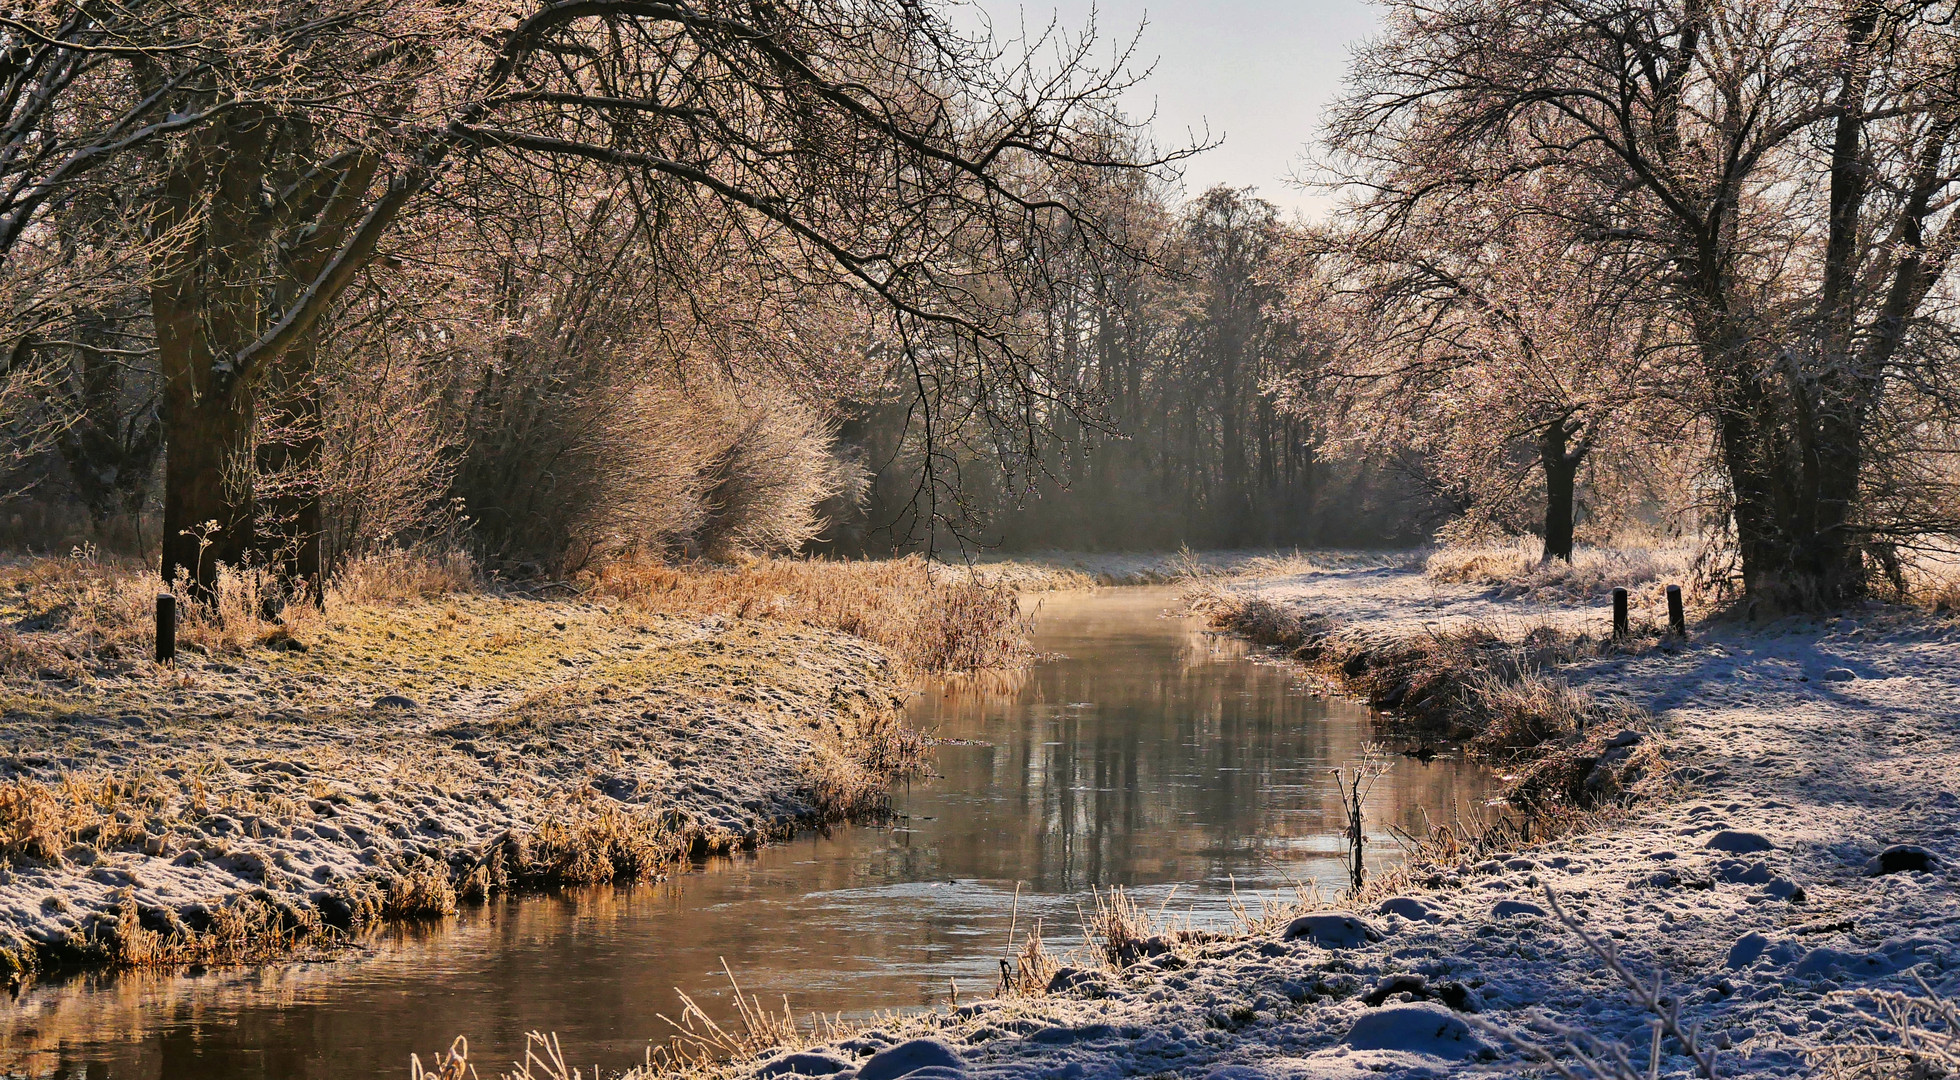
(1519, 568)
(393, 575)
(1501, 696)
(931, 616)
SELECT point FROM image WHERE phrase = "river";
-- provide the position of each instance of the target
(1139, 751)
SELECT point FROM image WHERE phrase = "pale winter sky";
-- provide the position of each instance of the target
(1257, 71)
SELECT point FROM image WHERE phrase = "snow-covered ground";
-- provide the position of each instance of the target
(1800, 753)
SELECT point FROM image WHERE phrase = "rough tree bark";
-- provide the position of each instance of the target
(1561, 456)
(205, 311)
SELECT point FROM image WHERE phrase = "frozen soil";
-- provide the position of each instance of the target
(280, 800)
(1799, 752)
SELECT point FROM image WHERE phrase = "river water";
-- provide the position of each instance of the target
(1140, 751)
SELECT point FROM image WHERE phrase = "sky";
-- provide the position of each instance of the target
(1257, 72)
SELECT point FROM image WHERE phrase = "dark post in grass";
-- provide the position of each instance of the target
(1620, 627)
(166, 628)
(1677, 620)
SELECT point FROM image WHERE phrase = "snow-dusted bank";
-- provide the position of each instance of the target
(275, 802)
(1797, 859)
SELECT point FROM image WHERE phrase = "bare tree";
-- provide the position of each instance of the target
(1468, 336)
(65, 106)
(1783, 171)
(1236, 338)
(864, 137)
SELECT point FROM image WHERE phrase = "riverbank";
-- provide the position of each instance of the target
(423, 739)
(1789, 866)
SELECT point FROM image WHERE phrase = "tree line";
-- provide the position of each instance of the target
(559, 278)
(1180, 340)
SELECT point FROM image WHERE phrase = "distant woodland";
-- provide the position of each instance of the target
(553, 281)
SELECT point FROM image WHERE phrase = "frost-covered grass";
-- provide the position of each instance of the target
(932, 617)
(424, 738)
(1518, 569)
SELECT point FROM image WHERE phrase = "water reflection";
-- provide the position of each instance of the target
(1142, 753)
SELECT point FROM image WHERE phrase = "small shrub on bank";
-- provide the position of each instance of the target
(396, 576)
(423, 891)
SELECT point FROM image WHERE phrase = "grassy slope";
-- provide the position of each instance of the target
(253, 800)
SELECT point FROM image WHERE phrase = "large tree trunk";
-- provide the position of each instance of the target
(208, 509)
(1794, 473)
(204, 301)
(237, 295)
(1561, 463)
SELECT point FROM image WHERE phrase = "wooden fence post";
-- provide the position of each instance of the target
(1677, 619)
(166, 628)
(1620, 627)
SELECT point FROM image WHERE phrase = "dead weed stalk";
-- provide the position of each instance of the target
(1910, 1038)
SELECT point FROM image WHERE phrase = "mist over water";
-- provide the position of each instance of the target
(1140, 751)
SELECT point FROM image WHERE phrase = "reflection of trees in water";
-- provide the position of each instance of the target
(257, 1021)
(1189, 765)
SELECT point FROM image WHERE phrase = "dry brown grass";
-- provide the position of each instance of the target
(242, 929)
(423, 891)
(395, 576)
(1519, 569)
(934, 618)
(40, 821)
(591, 843)
(1941, 597)
(1121, 928)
